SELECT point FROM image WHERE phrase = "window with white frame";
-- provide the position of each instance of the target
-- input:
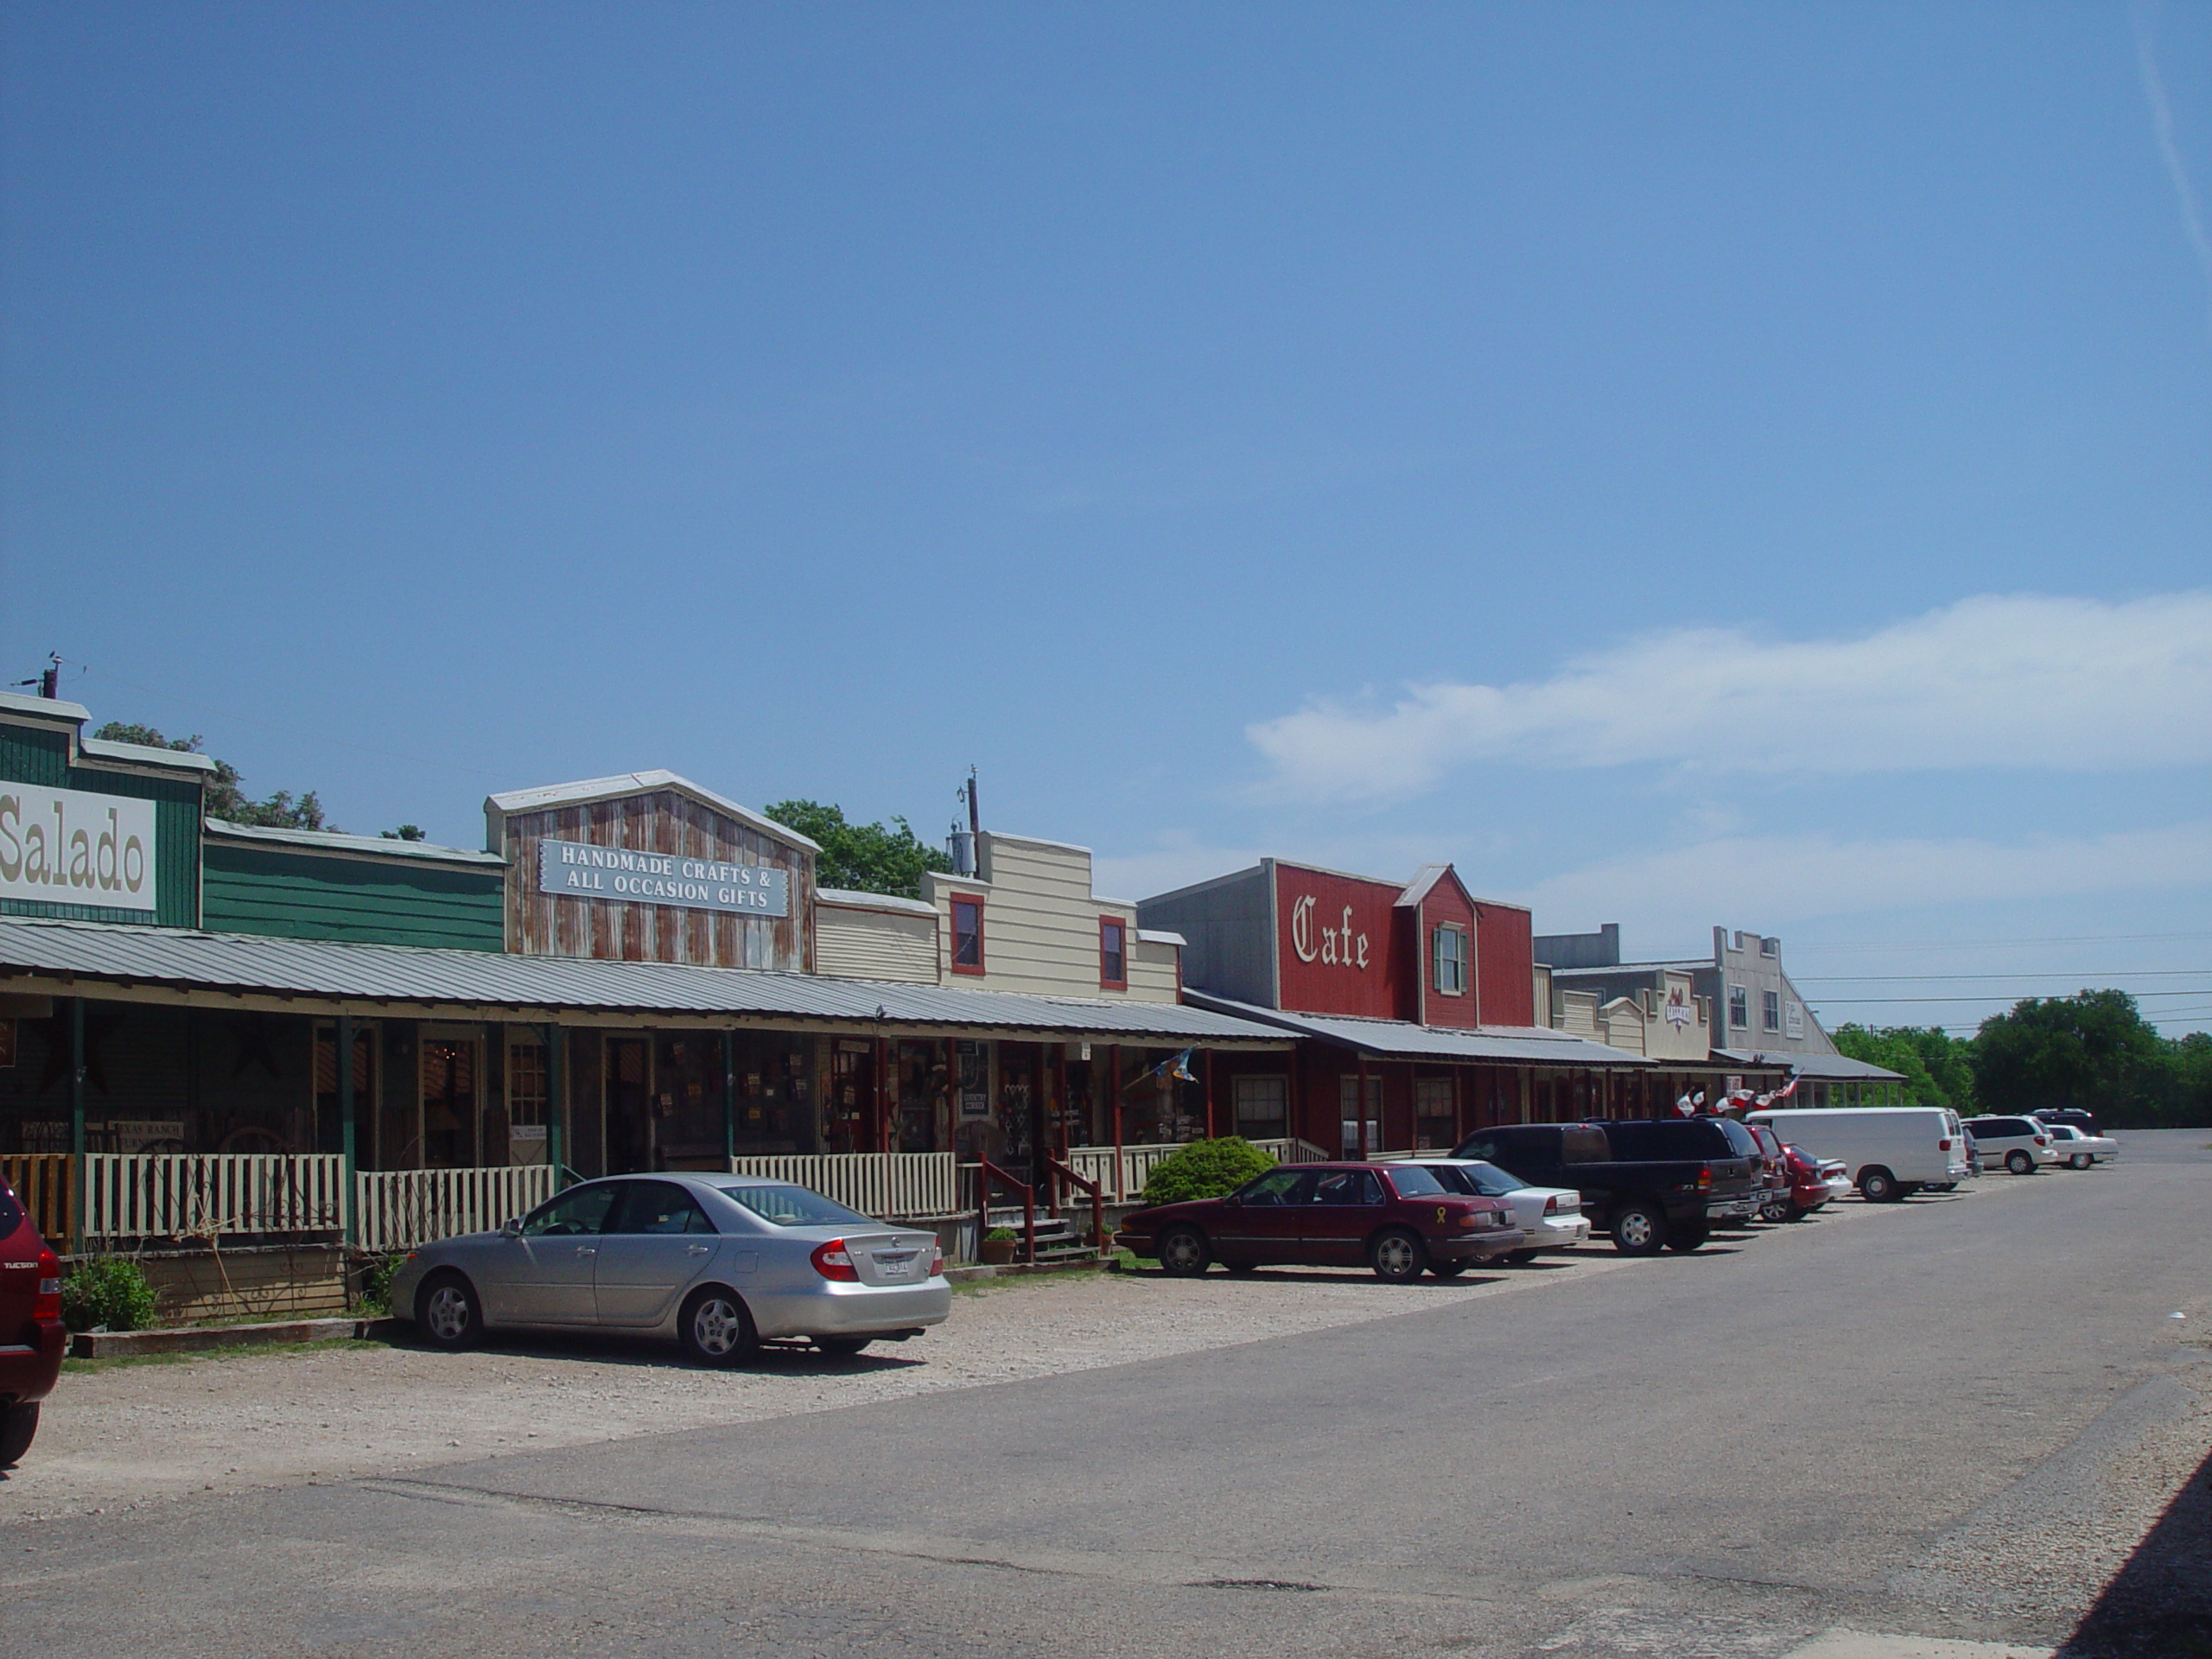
(1739, 1008)
(1770, 1012)
(1262, 1108)
(1448, 953)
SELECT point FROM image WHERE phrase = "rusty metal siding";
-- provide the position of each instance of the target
(658, 821)
(35, 754)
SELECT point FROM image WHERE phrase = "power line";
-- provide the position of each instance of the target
(1977, 945)
(1898, 979)
(1992, 996)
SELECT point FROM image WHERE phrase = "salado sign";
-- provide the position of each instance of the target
(70, 847)
(577, 869)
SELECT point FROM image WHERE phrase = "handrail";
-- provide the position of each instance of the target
(986, 1172)
(1059, 1173)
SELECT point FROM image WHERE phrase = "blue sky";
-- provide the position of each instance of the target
(1686, 464)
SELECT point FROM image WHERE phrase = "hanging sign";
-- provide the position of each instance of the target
(68, 846)
(576, 869)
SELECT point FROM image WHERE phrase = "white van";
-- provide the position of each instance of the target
(1891, 1151)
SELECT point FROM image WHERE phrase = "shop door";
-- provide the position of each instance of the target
(848, 1120)
(449, 1107)
(629, 1105)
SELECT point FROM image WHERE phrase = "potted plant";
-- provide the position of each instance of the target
(997, 1246)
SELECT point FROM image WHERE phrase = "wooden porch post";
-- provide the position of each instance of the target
(346, 1110)
(1210, 1131)
(1121, 1184)
(1359, 1112)
(729, 1097)
(556, 1101)
(882, 1099)
(1458, 1105)
(76, 1170)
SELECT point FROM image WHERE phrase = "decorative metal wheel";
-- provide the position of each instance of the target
(1637, 1232)
(1397, 1256)
(717, 1327)
(447, 1313)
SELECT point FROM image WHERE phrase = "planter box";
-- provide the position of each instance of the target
(115, 1344)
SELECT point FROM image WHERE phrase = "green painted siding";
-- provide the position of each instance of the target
(32, 754)
(305, 895)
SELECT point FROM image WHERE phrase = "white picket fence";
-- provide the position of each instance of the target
(1122, 1183)
(905, 1183)
(399, 1209)
(131, 1196)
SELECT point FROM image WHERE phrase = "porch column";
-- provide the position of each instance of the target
(77, 1171)
(729, 1099)
(1120, 1184)
(345, 1108)
(556, 1101)
(882, 1095)
(1211, 1132)
(1458, 1105)
(1359, 1112)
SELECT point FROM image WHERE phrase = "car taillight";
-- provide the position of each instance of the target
(2043, 1139)
(1551, 1205)
(46, 1305)
(1943, 1145)
(834, 1260)
(936, 1260)
(1705, 1177)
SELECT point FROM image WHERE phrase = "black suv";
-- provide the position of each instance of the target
(1651, 1183)
(2080, 1120)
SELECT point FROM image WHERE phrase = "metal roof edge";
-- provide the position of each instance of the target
(587, 790)
(339, 844)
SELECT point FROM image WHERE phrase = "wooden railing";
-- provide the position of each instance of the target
(988, 1175)
(1122, 1180)
(1058, 1176)
(904, 1184)
(131, 1197)
(42, 1180)
(400, 1208)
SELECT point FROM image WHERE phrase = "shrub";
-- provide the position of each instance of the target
(377, 1272)
(1001, 1235)
(108, 1291)
(1205, 1169)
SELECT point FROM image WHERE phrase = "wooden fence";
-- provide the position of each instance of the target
(131, 1197)
(904, 1184)
(1122, 1180)
(41, 1180)
(399, 1209)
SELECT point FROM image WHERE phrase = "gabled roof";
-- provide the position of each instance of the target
(582, 793)
(1425, 880)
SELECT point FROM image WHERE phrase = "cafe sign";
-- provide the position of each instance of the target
(70, 847)
(577, 869)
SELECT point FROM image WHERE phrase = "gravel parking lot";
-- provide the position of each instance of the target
(132, 1436)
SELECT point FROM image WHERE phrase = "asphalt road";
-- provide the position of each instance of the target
(1950, 1419)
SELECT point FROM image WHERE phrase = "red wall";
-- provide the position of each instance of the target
(1333, 981)
(1447, 904)
(1505, 964)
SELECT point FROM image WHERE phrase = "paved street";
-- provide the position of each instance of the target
(1954, 1419)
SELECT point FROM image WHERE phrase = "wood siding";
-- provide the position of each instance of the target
(1040, 924)
(656, 821)
(875, 944)
(39, 755)
(300, 895)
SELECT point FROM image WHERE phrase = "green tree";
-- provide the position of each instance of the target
(2092, 1050)
(224, 797)
(861, 857)
(1937, 1067)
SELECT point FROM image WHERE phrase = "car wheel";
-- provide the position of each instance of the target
(1453, 1270)
(2079, 1160)
(1398, 1256)
(1639, 1230)
(1688, 1237)
(2019, 1163)
(841, 1347)
(18, 1427)
(1776, 1211)
(716, 1330)
(447, 1313)
(1183, 1253)
(1877, 1185)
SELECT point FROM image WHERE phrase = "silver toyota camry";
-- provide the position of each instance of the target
(719, 1262)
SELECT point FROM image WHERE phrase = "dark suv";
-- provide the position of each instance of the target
(31, 1334)
(1651, 1183)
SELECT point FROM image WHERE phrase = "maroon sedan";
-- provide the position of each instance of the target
(31, 1334)
(1398, 1219)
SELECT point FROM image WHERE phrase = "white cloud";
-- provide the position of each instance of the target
(1766, 882)
(2071, 685)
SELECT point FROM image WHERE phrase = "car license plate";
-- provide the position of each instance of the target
(896, 1264)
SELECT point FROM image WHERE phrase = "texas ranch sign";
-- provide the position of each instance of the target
(576, 869)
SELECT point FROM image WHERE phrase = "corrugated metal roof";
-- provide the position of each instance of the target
(251, 965)
(1826, 1068)
(641, 782)
(848, 898)
(1402, 1040)
(335, 841)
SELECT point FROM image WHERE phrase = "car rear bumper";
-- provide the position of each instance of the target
(1557, 1235)
(842, 1310)
(1735, 1209)
(28, 1371)
(1480, 1247)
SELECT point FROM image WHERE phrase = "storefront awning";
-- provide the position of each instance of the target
(69, 958)
(1824, 1068)
(1401, 1039)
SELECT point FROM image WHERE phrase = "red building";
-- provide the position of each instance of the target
(1418, 999)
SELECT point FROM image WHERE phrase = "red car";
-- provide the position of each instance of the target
(1775, 1203)
(1398, 1219)
(31, 1334)
(1809, 1187)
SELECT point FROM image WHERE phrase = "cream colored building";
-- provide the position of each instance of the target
(1028, 920)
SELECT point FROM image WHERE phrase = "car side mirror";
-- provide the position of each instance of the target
(1232, 1198)
(511, 1228)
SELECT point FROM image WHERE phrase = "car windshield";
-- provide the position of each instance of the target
(1413, 1181)
(793, 1206)
(1487, 1180)
(1738, 1137)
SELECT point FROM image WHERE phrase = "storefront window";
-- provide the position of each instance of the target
(1262, 1108)
(967, 936)
(1432, 1124)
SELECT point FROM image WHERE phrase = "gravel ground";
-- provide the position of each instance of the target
(135, 1434)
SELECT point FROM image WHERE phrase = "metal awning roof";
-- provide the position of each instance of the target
(1826, 1068)
(1402, 1039)
(58, 957)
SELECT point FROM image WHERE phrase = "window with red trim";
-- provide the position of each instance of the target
(1113, 954)
(967, 935)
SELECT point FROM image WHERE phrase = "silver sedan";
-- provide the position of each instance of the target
(718, 1262)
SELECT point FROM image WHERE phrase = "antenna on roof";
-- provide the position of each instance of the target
(47, 679)
(963, 844)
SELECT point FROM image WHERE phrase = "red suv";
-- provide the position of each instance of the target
(31, 1335)
(1398, 1219)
